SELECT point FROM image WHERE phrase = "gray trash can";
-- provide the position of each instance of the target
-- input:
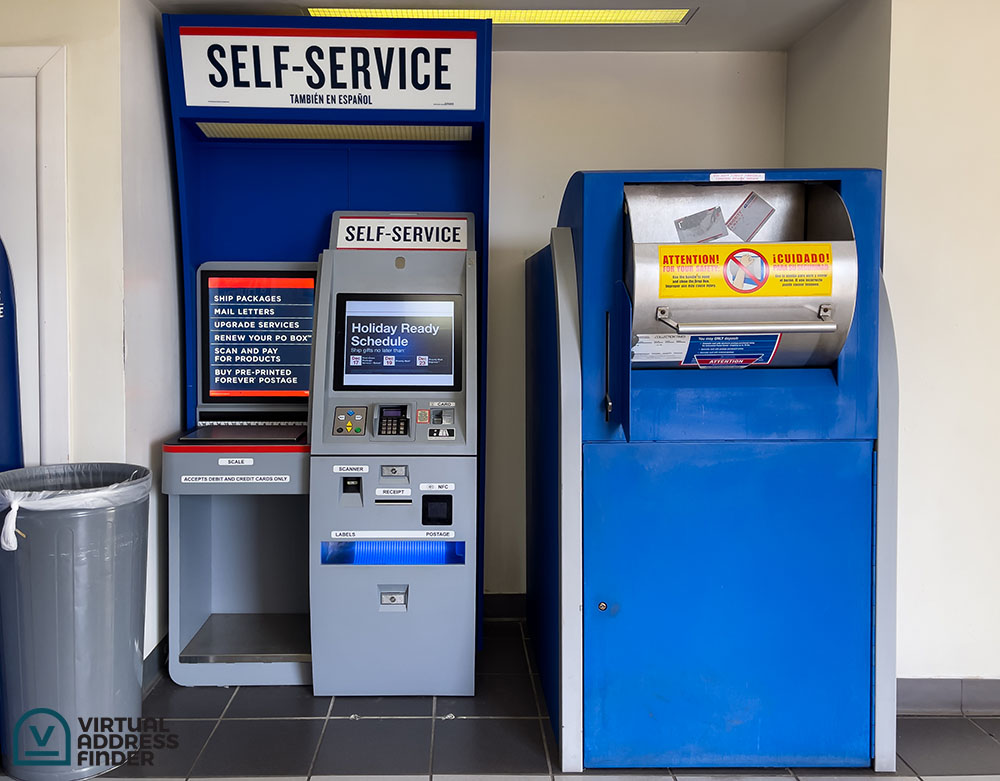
(72, 604)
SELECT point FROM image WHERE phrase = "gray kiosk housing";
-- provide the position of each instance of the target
(393, 474)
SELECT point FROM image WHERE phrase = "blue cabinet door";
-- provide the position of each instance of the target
(736, 580)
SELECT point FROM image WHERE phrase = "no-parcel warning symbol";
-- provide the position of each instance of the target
(745, 271)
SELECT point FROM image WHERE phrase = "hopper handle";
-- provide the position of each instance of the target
(823, 325)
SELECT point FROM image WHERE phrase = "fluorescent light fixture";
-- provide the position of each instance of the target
(595, 16)
(317, 132)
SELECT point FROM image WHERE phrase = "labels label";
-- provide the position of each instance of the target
(403, 233)
(325, 68)
(391, 534)
(732, 270)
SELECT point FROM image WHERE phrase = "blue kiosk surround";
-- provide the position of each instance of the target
(278, 122)
(702, 543)
(249, 197)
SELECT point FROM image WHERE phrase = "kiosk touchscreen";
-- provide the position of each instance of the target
(255, 323)
(393, 481)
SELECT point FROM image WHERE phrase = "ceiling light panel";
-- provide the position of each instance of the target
(592, 16)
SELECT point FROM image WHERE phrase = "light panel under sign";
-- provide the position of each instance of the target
(307, 68)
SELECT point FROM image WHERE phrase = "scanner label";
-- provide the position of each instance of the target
(324, 68)
(734, 270)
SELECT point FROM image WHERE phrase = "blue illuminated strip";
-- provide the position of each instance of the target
(393, 552)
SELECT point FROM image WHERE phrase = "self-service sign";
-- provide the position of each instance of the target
(326, 68)
(403, 233)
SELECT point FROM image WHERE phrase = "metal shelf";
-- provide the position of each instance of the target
(250, 637)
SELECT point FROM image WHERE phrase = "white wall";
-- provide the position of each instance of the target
(152, 297)
(941, 203)
(90, 33)
(556, 113)
(838, 90)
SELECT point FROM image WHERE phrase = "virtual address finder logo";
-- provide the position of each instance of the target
(41, 737)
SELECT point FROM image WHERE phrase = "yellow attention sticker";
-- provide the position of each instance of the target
(734, 270)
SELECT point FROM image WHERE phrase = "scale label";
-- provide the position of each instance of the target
(391, 534)
(393, 491)
(317, 68)
(437, 486)
(733, 270)
(195, 479)
(350, 469)
(235, 462)
(403, 233)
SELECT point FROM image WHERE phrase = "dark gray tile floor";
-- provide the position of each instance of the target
(284, 732)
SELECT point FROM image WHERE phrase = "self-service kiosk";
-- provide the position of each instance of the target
(393, 476)
(279, 122)
(708, 585)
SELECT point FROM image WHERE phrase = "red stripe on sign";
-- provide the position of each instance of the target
(216, 393)
(407, 249)
(261, 282)
(348, 217)
(307, 32)
(236, 449)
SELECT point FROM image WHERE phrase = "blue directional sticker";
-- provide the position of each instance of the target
(731, 351)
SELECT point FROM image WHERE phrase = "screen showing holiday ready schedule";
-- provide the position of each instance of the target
(259, 336)
(398, 342)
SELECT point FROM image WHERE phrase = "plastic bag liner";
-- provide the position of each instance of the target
(68, 487)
